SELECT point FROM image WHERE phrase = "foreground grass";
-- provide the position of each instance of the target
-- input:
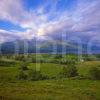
(63, 89)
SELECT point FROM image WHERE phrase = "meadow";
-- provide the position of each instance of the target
(50, 89)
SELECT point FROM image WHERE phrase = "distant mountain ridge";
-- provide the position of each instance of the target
(45, 46)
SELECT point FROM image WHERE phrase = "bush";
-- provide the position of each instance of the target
(20, 58)
(94, 73)
(36, 75)
(24, 66)
(70, 71)
(22, 75)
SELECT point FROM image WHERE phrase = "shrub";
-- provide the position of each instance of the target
(94, 73)
(70, 71)
(58, 56)
(36, 75)
(24, 66)
(20, 58)
(22, 75)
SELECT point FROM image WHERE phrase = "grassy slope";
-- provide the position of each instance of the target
(62, 89)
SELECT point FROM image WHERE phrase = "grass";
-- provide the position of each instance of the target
(83, 68)
(59, 89)
(47, 68)
(51, 90)
(10, 73)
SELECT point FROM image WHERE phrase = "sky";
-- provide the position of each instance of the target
(26, 19)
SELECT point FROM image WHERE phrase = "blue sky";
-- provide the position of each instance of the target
(25, 19)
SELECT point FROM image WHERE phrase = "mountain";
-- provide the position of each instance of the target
(48, 46)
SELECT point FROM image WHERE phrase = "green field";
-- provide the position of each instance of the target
(51, 89)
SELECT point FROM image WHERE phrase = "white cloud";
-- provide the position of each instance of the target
(89, 15)
(7, 36)
(11, 10)
(84, 18)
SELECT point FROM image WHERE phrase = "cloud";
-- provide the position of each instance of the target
(89, 15)
(11, 10)
(7, 36)
(48, 20)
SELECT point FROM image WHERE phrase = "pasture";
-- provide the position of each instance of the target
(51, 89)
